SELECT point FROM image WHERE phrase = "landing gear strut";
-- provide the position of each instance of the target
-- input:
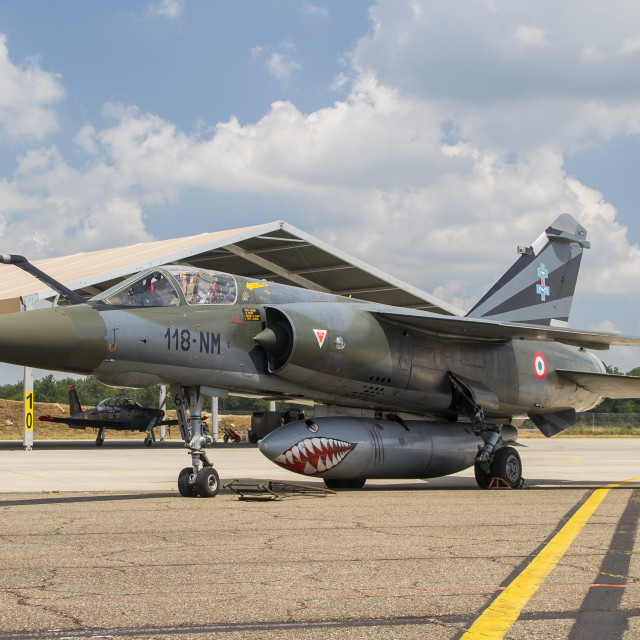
(200, 479)
(495, 461)
(100, 437)
(150, 437)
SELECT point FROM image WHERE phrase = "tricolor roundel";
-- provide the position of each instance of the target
(539, 366)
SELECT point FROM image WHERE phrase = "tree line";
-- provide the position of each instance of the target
(91, 392)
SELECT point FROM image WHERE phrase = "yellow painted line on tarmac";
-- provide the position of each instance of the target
(500, 615)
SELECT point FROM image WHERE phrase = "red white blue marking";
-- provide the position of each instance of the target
(539, 366)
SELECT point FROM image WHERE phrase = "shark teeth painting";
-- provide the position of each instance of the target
(313, 456)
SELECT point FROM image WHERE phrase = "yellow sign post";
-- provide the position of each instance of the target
(28, 410)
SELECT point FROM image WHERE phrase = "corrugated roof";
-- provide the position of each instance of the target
(275, 251)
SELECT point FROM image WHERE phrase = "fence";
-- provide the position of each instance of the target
(619, 422)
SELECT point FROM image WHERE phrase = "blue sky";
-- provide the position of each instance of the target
(427, 137)
(205, 63)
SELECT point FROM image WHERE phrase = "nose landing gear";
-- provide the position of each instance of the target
(200, 479)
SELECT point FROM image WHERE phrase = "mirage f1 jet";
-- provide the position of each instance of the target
(435, 394)
(120, 414)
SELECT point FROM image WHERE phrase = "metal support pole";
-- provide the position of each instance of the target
(272, 405)
(214, 417)
(162, 401)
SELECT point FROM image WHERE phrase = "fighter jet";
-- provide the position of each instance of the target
(121, 414)
(404, 393)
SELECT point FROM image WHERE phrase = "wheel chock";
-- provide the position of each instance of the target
(499, 483)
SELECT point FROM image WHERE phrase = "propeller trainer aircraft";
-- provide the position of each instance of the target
(440, 393)
(120, 414)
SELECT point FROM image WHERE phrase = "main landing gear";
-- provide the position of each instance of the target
(503, 467)
(150, 436)
(200, 479)
(496, 464)
(100, 437)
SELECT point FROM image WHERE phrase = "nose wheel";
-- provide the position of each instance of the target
(200, 479)
(187, 483)
(205, 483)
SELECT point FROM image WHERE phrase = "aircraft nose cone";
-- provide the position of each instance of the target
(72, 339)
(270, 446)
(274, 444)
(274, 340)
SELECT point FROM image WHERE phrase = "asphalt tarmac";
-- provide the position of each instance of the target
(98, 543)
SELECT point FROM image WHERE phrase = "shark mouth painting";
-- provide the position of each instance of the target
(314, 455)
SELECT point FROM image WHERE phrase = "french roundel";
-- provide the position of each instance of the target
(539, 366)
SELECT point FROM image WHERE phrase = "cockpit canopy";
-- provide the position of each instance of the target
(161, 287)
(201, 286)
(119, 403)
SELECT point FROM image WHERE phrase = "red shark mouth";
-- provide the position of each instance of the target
(314, 455)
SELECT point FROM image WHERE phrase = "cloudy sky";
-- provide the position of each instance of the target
(427, 137)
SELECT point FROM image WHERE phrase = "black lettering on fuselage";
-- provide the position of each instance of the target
(209, 341)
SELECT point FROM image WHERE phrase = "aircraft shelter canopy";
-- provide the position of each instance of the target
(276, 251)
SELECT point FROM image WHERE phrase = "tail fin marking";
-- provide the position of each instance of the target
(74, 402)
(539, 286)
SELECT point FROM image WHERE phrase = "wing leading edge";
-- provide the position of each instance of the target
(478, 330)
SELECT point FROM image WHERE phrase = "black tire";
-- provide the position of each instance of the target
(332, 484)
(207, 482)
(99, 441)
(185, 488)
(354, 483)
(225, 439)
(148, 442)
(482, 477)
(507, 466)
(253, 438)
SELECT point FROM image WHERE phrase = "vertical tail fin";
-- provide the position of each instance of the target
(538, 288)
(74, 402)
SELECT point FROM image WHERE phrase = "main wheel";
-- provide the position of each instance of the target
(354, 483)
(99, 441)
(482, 477)
(508, 466)
(185, 487)
(207, 482)
(148, 441)
(332, 484)
(253, 438)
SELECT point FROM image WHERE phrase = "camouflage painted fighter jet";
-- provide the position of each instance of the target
(442, 393)
(120, 414)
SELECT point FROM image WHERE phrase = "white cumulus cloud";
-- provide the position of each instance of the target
(166, 8)
(531, 36)
(447, 152)
(27, 94)
(315, 10)
(281, 64)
